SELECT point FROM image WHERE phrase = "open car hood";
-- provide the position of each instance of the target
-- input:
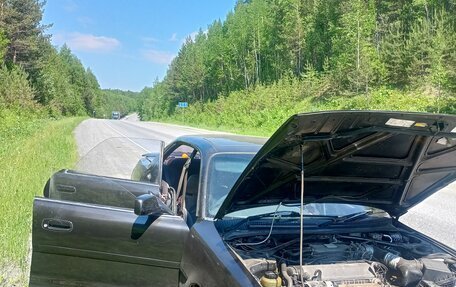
(388, 160)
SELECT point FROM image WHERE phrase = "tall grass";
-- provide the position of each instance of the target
(30, 151)
(260, 111)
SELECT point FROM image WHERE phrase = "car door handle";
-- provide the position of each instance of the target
(57, 225)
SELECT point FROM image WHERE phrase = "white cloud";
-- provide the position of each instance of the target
(173, 37)
(88, 42)
(193, 35)
(158, 57)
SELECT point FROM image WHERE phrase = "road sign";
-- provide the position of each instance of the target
(182, 104)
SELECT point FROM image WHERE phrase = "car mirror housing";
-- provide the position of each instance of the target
(148, 168)
(147, 204)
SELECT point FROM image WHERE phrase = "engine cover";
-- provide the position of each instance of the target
(341, 274)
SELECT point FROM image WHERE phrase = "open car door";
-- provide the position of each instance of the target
(85, 231)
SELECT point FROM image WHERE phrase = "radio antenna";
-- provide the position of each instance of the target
(301, 220)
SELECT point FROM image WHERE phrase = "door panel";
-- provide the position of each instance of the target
(77, 244)
(93, 189)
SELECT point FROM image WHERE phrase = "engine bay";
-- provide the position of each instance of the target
(390, 258)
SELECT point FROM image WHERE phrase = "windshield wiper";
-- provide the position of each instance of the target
(277, 215)
(346, 218)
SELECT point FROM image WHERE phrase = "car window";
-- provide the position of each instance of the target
(173, 167)
(182, 151)
(94, 180)
(224, 170)
(174, 163)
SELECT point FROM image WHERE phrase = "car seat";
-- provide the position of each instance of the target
(191, 198)
(172, 169)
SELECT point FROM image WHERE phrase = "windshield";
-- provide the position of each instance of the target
(311, 209)
(224, 170)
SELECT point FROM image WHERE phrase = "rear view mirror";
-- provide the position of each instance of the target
(147, 204)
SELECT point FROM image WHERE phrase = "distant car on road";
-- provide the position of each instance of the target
(318, 204)
(115, 115)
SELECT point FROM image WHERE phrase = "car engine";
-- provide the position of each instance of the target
(346, 260)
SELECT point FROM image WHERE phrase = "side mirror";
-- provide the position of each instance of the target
(150, 204)
(148, 169)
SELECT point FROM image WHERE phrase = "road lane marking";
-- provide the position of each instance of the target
(137, 144)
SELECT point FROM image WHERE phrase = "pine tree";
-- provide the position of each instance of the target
(356, 60)
(418, 49)
(3, 45)
(20, 20)
(441, 54)
(15, 90)
(393, 54)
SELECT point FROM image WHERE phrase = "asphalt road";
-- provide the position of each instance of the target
(112, 148)
(436, 216)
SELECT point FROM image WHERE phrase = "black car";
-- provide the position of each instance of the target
(318, 205)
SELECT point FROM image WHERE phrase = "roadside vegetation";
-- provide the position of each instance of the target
(46, 80)
(45, 91)
(271, 58)
(31, 151)
(261, 110)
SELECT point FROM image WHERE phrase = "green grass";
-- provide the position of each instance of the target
(30, 151)
(262, 110)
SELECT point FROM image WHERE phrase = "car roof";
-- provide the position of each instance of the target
(214, 143)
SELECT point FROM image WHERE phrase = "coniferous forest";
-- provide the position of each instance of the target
(266, 60)
(40, 80)
(271, 58)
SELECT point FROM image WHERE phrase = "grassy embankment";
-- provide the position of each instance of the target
(30, 151)
(262, 110)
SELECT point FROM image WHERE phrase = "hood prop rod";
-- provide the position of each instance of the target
(301, 217)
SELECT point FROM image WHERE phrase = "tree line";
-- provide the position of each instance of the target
(333, 47)
(37, 77)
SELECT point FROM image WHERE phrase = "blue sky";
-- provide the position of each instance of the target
(128, 44)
